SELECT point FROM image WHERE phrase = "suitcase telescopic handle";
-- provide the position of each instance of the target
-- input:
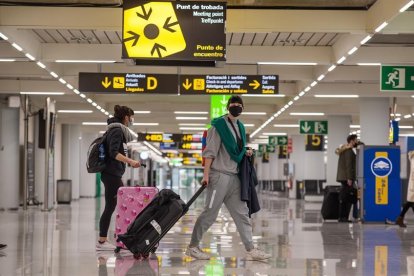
(196, 195)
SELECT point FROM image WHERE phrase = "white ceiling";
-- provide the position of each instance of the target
(270, 35)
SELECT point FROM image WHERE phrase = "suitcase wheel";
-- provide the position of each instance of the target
(117, 249)
(145, 255)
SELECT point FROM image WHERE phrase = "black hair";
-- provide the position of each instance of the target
(350, 138)
(235, 99)
(122, 111)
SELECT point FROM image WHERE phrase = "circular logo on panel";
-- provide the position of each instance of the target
(381, 166)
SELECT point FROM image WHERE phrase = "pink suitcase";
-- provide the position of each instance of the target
(130, 202)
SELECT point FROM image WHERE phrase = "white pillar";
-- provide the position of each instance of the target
(374, 121)
(71, 156)
(87, 180)
(9, 158)
(296, 159)
(338, 131)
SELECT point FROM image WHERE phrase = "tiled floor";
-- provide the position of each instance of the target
(62, 242)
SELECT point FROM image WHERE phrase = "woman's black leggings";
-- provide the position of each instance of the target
(406, 206)
(112, 184)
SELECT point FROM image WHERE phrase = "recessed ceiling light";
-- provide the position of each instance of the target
(365, 40)
(264, 95)
(288, 63)
(254, 113)
(191, 118)
(382, 26)
(74, 111)
(369, 64)
(94, 123)
(406, 127)
(191, 112)
(142, 112)
(330, 69)
(54, 74)
(42, 93)
(353, 50)
(83, 61)
(406, 6)
(30, 56)
(249, 125)
(17, 47)
(307, 114)
(146, 124)
(4, 37)
(286, 125)
(193, 124)
(336, 96)
(355, 126)
(275, 133)
(62, 81)
(321, 77)
(41, 65)
(7, 59)
(342, 59)
(193, 128)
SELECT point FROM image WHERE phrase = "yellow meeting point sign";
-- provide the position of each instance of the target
(152, 30)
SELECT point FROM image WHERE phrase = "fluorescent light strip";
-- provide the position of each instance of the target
(396, 115)
(287, 63)
(3, 36)
(76, 91)
(321, 77)
(17, 47)
(192, 124)
(407, 116)
(342, 59)
(74, 111)
(41, 65)
(330, 69)
(191, 118)
(301, 94)
(89, 100)
(290, 103)
(190, 112)
(7, 59)
(381, 27)
(353, 50)
(94, 123)
(314, 83)
(365, 40)
(307, 89)
(307, 114)
(82, 95)
(286, 125)
(406, 6)
(54, 75)
(107, 113)
(405, 127)
(264, 95)
(368, 64)
(336, 96)
(146, 124)
(62, 81)
(355, 126)
(29, 56)
(84, 61)
(249, 125)
(254, 113)
(42, 93)
(94, 104)
(142, 112)
(296, 98)
(69, 86)
(193, 128)
(274, 133)
(103, 110)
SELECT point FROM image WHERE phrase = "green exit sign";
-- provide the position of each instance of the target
(397, 78)
(313, 127)
(278, 140)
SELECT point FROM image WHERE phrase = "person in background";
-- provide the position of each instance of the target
(223, 153)
(410, 193)
(346, 175)
(118, 135)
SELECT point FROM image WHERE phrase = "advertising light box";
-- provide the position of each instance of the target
(179, 31)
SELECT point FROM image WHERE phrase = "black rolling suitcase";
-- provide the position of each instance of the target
(330, 205)
(155, 221)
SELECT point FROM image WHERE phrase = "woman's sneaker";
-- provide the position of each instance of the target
(106, 246)
(197, 253)
(257, 255)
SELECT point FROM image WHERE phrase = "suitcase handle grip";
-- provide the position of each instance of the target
(195, 196)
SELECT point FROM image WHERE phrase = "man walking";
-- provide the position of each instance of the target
(346, 175)
(224, 152)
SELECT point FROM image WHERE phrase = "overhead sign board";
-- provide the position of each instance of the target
(229, 84)
(278, 140)
(127, 83)
(169, 138)
(187, 31)
(397, 78)
(313, 127)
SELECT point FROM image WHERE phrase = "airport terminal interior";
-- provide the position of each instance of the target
(309, 72)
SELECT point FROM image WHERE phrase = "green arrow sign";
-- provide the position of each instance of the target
(278, 140)
(397, 78)
(261, 148)
(270, 149)
(313, 127)
(218, 106)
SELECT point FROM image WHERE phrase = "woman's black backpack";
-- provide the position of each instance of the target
(96, 158)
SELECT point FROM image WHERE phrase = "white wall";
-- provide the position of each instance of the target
(87, 180)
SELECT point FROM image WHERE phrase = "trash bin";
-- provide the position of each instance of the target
(64, 191)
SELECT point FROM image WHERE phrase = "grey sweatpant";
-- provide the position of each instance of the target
(224, 188)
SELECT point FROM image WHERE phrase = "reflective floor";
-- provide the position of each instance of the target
(62, 242)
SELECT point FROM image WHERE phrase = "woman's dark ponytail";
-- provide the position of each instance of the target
(122, 111)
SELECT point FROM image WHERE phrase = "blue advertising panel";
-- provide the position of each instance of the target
(382, 184)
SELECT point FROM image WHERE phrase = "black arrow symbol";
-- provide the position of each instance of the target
(158, 47)
(168, 25)
(146, 15)
(134, 37)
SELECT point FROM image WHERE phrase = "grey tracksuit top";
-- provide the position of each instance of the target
(215, 150)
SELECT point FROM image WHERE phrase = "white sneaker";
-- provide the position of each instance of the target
(197, 253)
(106, 246)
(257, 255)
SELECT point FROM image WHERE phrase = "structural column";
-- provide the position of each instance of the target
(338, 131)
(87, 180)
(9, 158)
(374, 121)
(71, 156)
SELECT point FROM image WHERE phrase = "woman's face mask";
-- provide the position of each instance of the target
(131, 122)
(235, 110)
